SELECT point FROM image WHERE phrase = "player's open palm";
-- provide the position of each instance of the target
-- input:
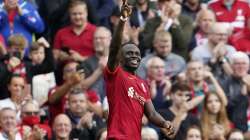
(126, 9)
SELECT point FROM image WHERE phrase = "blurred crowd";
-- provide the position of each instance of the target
(195, 60)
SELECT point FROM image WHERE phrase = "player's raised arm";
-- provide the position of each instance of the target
(116, 42)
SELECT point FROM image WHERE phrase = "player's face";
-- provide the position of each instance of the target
(131, 57)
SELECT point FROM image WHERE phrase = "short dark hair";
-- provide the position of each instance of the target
(74, 3)
(17, 40)
(35, 46)
(131, 43)
(76, 91)
(180, 87)
(14, 75)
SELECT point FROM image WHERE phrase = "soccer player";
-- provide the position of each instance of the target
(128, 95)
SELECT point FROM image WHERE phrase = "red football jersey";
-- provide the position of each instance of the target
(235, 16)
(126, 95)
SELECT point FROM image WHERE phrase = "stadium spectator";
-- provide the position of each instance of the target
(169, 19)
(174, 64)
(85, 122)
(214, 120)
(14, 62)
(232, 12)
(57, 96)
(159, 84)
(62, 127)
(30, 115)
(204, 19)
(56, 15)
(194, 133)
(201, 82)
(236, 87)
(16, 87)
(178, 111)
(8, 125)
(216, 48)
(94, 65)
(75, 40)
(41, 51)
(19, 17)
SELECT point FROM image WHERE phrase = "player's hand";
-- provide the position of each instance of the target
(168, 129)
(126, 9)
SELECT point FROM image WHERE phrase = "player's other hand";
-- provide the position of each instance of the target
(168, 129)
(126, 9)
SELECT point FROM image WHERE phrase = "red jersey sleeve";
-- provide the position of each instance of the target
(109, 74)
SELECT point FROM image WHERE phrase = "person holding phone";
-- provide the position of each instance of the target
(14, 62)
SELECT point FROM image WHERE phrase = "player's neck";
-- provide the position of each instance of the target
(129, 70)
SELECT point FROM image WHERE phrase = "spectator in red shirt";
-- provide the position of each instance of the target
(76, 39)
(128, 96)
(233, 12)
(57, 96)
